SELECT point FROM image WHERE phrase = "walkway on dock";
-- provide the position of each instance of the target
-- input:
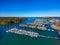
(48, 37)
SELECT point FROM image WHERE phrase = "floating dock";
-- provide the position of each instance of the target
(24, 32)
(28, 33)
(37, 24)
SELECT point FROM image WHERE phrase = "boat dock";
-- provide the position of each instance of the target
(49, 37)
(37, 24)
(29, 33)
(24, 32)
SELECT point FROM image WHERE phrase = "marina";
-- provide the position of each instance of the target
(29, 22)
(31, 34)
(17, 31)
(31, 31)
(42, 24)
(28, 33)
(37, 24)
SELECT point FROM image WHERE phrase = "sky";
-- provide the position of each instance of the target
(29, 8)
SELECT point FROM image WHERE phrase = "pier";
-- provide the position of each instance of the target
(29, 33)
(37, 24)
(49, 37)
(23, 32)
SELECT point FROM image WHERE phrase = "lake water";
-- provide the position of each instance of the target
(15, 39)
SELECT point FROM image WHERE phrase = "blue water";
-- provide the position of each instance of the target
(47, 33)
(29, 20)
(14, 39)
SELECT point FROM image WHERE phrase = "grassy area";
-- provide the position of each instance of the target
(10, 20)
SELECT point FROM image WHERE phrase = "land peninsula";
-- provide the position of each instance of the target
(11, 20)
